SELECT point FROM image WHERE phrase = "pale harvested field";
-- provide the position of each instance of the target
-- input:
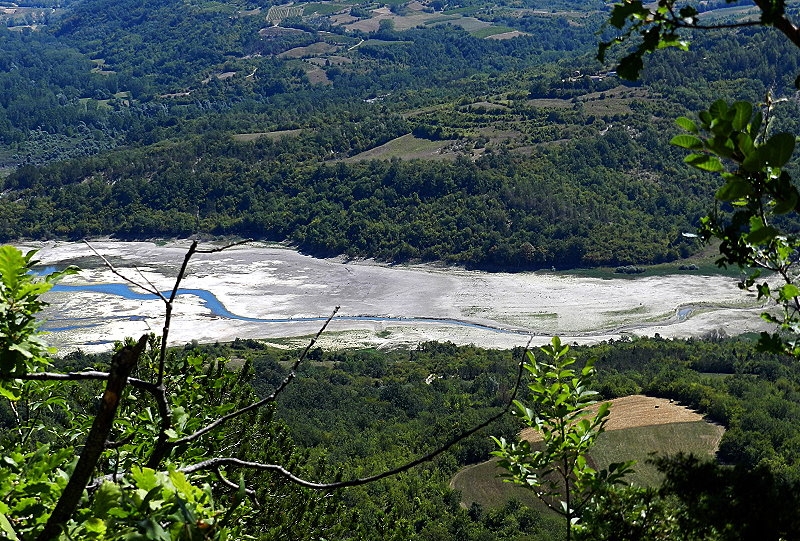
(413, 19)
(639, 410)
(314, 49)
(506, 35)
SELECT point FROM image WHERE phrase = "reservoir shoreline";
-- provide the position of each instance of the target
(279, 295)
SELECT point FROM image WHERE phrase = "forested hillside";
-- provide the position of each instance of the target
(363, 411)
(400, 132)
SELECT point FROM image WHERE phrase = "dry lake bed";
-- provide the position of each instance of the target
(276, 294)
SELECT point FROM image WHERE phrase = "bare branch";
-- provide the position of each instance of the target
(168, 313)
(152, 290)
(215, 463)
(79, 376)
(146, 279)
(230, 484)
(221, 248)
(271, 398)
(721, 26)
(781, 22)
(162, 446)
(193, 249)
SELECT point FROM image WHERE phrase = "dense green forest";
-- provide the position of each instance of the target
(301, 132)
(357, 412)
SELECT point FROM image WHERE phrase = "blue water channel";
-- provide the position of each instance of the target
(218, 309)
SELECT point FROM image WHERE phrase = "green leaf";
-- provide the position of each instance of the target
(735, 188)
(7, 529)
(718, 109)
(704, 162)
(756, 160)
(23, 349)
(182, 485)
(622, 12)
(762, 235)
(745, 144)
(687, 141)
(755, 124)
(144, 478)
(630, 67)
(742, 112)
(788, 292)
(687, 124)
(153, 531)
(788, 203)
(780, 149)
(106, 498)
(95, 525)
(8, 393)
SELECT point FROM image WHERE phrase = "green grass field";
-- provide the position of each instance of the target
(491, 31)
(404, 147)
(481, 483)
(642, 442)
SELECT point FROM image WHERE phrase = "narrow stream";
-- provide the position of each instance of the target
(216, 307)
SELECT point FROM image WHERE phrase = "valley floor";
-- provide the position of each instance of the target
(274, 293)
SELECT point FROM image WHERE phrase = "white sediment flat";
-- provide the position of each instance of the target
(269, 282)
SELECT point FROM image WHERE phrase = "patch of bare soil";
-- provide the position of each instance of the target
(637, 410)
(314, 49)
(506, 35)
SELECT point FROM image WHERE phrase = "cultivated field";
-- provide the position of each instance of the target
(638, 410)
(276, 13)
(407, 147)
(638, 427)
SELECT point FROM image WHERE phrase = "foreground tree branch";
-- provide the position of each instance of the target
(123, 362)
(84, 375)
(656, 25)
